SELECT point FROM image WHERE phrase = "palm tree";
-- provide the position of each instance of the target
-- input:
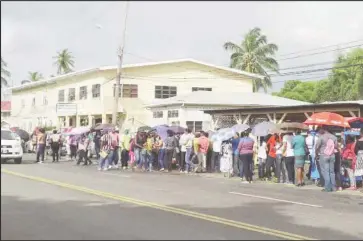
(35, 76)
(254, 55)
(5, 74)
(64, 62)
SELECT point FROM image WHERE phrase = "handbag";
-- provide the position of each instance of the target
(104, 154)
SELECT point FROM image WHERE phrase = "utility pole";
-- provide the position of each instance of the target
(119, 68)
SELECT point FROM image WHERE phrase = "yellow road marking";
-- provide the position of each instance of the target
(210, 218)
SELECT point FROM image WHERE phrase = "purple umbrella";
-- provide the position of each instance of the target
(177, 129)
(161, 131)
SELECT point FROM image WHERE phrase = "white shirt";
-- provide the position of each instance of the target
(309, 142)
(262, 151)
(217, 146)
(186, 141)
(278, 147)
(289, 150)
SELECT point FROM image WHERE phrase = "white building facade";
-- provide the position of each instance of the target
(87, 97)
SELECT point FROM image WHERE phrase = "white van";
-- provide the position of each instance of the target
(10, 146)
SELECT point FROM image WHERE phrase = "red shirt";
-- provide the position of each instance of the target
(203, 144)
(271, 143)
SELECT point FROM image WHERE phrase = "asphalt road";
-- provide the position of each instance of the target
(64, 201)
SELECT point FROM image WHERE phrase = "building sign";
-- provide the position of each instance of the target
(66, 109)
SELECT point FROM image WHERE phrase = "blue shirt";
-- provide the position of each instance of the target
(298, 143)
(235, 142)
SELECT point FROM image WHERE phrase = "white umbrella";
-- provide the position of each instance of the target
(240, 127)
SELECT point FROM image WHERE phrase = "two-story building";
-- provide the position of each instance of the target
(86, 97)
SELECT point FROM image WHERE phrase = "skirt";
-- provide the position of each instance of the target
(299, 161)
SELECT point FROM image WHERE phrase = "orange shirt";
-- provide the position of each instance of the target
(271, 144)
(203, 144)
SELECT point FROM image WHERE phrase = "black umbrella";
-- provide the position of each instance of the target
(23, 134)
(144, 129)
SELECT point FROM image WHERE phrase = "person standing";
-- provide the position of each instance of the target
(189, 150)
(183, 149)
(113, 163)
(300, 151)
(159, 146)
(245, 149)
(170, 145)
(140, 140)
(314, 168)
(97, 143)
(358, 150)
(216, 156)
(235, 142)
(262, 156)
(226, 161)
(349, 161)
(271, 157)
(202, 151)
(125, 149)
(41, 139)
(82, 148)
(289, 158)
(73, 143)
(325, 151)
(106, 151)
(280, 162)
(55, 141)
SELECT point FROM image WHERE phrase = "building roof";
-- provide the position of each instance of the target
(236, 99)
(139, 65)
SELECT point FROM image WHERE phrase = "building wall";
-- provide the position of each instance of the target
(183, 76)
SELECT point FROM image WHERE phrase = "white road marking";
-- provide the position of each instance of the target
(113, 174)
(277, 200)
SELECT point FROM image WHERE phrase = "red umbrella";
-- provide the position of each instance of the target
(327, 118)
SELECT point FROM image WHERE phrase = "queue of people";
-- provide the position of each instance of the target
(279, 157)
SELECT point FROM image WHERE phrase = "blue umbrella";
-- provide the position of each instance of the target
(223, 134)
(263, 128)
(240, 127)
(161, 131)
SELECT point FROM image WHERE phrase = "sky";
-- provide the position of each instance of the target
(33, 32)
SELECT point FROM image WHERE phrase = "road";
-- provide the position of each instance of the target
(64, 201)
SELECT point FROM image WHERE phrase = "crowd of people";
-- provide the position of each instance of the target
(279, 157)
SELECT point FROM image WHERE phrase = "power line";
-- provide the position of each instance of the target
(329, 46)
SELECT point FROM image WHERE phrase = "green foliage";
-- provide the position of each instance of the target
(254, 55)
(344, 83)
(35, 76)
(5, 74)
(64, 62)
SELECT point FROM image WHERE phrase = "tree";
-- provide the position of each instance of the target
(254, 55)
(345, 82)
(64, 62)
(5, 74)
(35, 76)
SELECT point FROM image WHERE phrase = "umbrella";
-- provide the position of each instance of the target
(263, 128)
(355, 122)
(161, 131)
(328, 119)
(144, 129)
(223, 134)
(240, 127)
(293, 126)
(177, 129)
(104, 126)
(78, 131)
(24, 135)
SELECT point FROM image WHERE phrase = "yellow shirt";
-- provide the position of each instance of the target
(149, 144)
(196, 145)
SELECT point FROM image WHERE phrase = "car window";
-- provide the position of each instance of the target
(7, 135)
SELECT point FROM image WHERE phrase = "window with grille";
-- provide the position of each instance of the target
(128, 91)
(61, 96)
(164, 92)
(201, 89)
(96, 90)
(158, 114)
(71, 94)
(195, 126)
(83, 93)
(173, 113)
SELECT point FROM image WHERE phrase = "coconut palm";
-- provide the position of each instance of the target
(35, 76)
(64, 62)
(254, 55)
(5, 74)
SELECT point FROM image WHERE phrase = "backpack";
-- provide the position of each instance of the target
(329, 149)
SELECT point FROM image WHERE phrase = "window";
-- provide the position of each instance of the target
(173, 113)
(158, 114)
(45, 100)
(175, 123)
(200, 89)
(128, 91)
(71, 94)
(61, 96)
(195, 126)
(33, 101)
(83, 93)
(163, 92)
(96, 89)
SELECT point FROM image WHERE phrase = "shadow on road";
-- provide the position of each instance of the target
(45, 219)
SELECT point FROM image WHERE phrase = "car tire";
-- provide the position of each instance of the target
(18, 160)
